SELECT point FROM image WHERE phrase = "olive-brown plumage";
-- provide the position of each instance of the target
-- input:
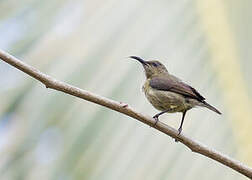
(167, 93)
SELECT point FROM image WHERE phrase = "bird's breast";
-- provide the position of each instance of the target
(164, 100)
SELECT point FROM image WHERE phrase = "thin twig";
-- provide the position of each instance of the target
(197, 147)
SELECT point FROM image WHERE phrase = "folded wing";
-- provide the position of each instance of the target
(176, 86)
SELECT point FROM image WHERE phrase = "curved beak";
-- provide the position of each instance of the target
(143, 62)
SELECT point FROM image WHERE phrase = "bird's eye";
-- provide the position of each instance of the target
(155, 64)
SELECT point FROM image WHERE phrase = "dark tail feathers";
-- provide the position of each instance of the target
(205, 104)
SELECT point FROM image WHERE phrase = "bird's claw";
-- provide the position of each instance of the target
(156, 120)
(179, 130)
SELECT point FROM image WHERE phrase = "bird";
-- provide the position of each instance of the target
(167, 93)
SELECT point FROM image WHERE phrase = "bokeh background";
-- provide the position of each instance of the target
(46, 134)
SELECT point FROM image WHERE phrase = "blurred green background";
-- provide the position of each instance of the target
(46, 134)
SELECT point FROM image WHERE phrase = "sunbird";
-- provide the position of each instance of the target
(168, 93)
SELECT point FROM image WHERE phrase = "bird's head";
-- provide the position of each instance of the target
(151, 68)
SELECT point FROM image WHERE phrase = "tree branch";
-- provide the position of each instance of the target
(197, 147)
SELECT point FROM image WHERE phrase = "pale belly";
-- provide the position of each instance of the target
(166, 100)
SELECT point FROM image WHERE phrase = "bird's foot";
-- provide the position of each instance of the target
(156, 119)
(179, 130)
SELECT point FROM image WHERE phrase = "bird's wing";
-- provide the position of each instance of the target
(175, 85)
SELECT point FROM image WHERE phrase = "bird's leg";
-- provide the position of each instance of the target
(157, 115)
(181, 124)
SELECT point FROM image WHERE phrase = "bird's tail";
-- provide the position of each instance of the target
(205, 104)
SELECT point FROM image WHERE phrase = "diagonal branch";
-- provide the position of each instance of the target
(197, 147)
